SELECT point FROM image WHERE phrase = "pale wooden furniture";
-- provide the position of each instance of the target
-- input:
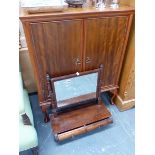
(25, 64)
(77, 40)
(27, 70)
(126, 94)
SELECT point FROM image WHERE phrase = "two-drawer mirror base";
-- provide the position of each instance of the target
(82, 120)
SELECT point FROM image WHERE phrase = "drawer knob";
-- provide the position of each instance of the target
(88, 60)
(77, 61)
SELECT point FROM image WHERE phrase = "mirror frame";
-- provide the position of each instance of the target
(98, 87)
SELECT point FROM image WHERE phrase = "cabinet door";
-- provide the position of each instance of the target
(57, 48)
(104, 45)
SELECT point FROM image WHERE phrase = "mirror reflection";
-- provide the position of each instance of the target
(76, 89)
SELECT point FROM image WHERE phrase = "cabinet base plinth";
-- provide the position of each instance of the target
(124, 105)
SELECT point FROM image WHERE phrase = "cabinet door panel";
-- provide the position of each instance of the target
(104, 45)
(57, 47)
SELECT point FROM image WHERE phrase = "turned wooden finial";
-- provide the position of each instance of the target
(47, 77)
(101, 66)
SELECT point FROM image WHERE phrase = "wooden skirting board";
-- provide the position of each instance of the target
(124, 105)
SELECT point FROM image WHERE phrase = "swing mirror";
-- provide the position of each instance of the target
(75, 88)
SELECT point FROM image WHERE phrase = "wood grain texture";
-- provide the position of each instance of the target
(66, 120)
(27, 71)
(64, 43)
(127, 76)
(34, 62)
(57, 52)
(124, 105)
(127, 80)
(127, 2)
(83, 129)
(104, 45)
(71, 120)
(74, 13)
(76, 100)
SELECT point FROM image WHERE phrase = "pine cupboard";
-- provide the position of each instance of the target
(77, 40)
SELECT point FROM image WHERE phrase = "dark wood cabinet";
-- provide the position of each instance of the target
(57, 49)
(77, 40)
(59, 46)
(105, 38)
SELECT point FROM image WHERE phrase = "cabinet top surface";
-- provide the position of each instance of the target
(24, 15)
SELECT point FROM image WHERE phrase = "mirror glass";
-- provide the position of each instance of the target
(76, 89)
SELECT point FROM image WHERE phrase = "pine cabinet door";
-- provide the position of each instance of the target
(105, 39)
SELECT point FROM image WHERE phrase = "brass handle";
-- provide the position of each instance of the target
(77, 61)
(125, 93)
(88, 60)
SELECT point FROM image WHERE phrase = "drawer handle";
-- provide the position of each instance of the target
(88, 60)
(125, 93)
(77, 61)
